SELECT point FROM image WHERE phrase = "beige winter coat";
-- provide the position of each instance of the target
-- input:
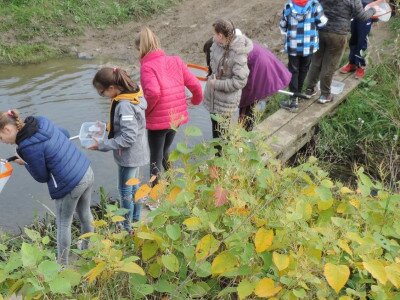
(224, 98)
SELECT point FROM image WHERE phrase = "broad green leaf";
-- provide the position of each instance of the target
(324, 193)
(336, 275)
(203, 269)
(60, 286)
(182, 148)
(245, 288)
(30, 255)
(300, 293)
(49, 269)
(266, 288)
(193, 131)
(324, 204)
(45, 240)
(281, 261)
(377, 270)
(131, 267)
(170, 262)
(199, 289)
(223, 262)
(145, 235)
(32, 234)
(154, 270)
(173, 231)
(263, 239)
(163, 286)
(143, 289)
(206, 247)
(149, 249)
(73, 277)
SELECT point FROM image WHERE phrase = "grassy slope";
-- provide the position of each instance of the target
(28, 27)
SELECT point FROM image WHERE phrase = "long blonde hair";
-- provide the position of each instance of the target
(146, 41)
(11, 117)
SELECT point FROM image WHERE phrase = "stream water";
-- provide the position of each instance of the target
(62, 91)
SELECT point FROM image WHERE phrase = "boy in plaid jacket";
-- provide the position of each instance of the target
(300, 22)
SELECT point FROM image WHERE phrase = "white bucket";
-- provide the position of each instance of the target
(336, 87)
(384, 11)
(90, 131)
(5, 173)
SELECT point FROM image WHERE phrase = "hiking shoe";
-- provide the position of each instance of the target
(325, 99)
(360, 73)
(311, 92)
(291, 104)
(348, 68)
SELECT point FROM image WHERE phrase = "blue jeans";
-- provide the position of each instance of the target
(127, 194)
(359, 41)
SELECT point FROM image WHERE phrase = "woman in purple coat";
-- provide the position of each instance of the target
(267, 75)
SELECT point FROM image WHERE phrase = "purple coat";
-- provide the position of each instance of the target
(267, 75)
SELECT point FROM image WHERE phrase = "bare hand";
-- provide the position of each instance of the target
(19, 161)
(95, 146)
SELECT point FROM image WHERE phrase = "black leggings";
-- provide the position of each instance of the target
(159, 143)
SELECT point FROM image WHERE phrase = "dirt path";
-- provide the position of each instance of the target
(184, 28)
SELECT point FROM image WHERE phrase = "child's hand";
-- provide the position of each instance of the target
(95, 146)
(19, 161)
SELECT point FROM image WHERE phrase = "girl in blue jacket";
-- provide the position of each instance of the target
(49, 156)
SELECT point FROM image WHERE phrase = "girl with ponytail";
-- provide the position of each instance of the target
(49, 156)
(126, 134)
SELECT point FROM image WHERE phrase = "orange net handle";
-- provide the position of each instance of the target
(7, 172)
(201, 68)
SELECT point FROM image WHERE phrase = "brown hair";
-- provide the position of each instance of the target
(107, 76)
(146, 41)
(227, 28)
(11, 117)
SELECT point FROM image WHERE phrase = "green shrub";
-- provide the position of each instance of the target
(229, 227)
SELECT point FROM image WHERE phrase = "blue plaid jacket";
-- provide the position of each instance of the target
(301, 28)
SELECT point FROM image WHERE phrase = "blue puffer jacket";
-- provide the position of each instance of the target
(50, 157)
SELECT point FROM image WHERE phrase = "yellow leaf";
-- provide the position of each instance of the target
(346, 190)
(156, 191)
(355, 203)
(377, 270)
(263, 239)
(281, 261)
(324, 205)
(238, 211)
(336, 275)
(99, 223)
(341, 209)
(206, 247)
(86, 235)
(131, 267)
(345, 298)
(116, 219)
(310, 191)
(266, 288)
(393, 274)
(133, 181)
(142, 192)
(96, 271)
(173, 194)
(343, 244)
(154, 177)
(259, 222)
(192, 223)
(223, 262)
(354, 236)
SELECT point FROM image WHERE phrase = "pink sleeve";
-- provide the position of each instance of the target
(193, 84)
(151, 88)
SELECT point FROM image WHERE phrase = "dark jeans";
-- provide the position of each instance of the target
(298, 66)
(246, 116)
(359, 41)
(159, 143)
(326, 60)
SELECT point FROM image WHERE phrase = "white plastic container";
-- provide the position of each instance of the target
(5, 173)
(336, 87)
(383, 13)
(91, 131)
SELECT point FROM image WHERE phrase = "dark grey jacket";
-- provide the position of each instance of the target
(340, 13)
(129, 145)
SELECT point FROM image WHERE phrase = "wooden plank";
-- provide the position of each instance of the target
(286, 132)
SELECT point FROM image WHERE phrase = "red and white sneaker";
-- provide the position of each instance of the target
(348, 68)
(360, 73)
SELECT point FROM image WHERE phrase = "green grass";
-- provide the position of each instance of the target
(43, 21)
